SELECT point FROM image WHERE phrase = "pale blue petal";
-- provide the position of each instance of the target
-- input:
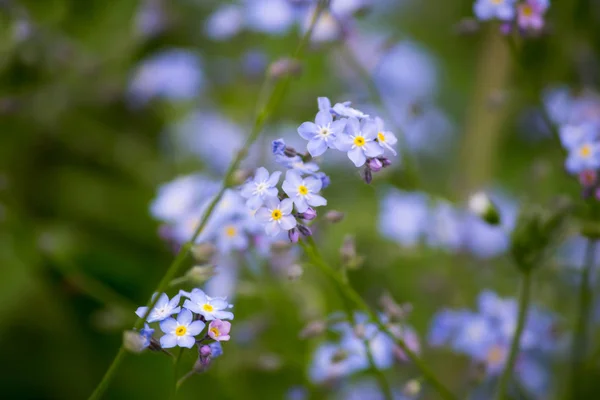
(344, 142)
(274, 178)
(308, 130)
(313, 184)
(248, 189)
(196, 327)
(338, 126)
(163, 300)
(317, 201)
(168, 341)
(186, 341)
(254, 202)
(261, 174)
(288, 222)
(272, 228)
(195, 307)
(168, 325)
(223, 315)
(369, 129)
(272, 202)
(357, 156)
(506, 12)
(197, 296)
(263, 215)
(293, 178)
(286, 206)
(289, 189)
(373, 149)
(324, 104)
(271, 192)
(353, 126)
(185, 317)
(301, 204)
(141, 311)
(317, 146)
(323, 118)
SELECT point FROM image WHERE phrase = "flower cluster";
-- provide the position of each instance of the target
(183, 325)
(415, 218)
(528, 14)
(485, 336)
(578, 120)
(333, 360)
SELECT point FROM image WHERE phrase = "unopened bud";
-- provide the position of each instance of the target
(294, 235)
(284, 67)
(334, 216)
(203, 251)
(200, 274)
(304, 230)
(467, 26)
(367, 175)
(350, 259)
(588, 178)
(205, 351)
(309, 214)
(359, 331)
(278, 146)
(240, 176)
(412, 388)
(133, 341)
(374, 165)
(294, 272)
(313, 329)
(481, 205)
(386, 162)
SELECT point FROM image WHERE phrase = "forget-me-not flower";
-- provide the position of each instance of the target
(260, 188)
(231, 236)
(146, 335)
(209, 307)
(303, 191)
(359, 142)
(489, 9)
(164, 308)
(530, 14)
(219, 330)
(321, 134)
(385, 139)
(584, 155)
(181, 331)
(276, 216)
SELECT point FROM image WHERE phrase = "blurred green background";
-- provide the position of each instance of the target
(80, 164)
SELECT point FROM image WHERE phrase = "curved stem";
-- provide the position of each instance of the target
(347, 291)
(524, 300)
(262, 115)
(184, 378)
(580, 338)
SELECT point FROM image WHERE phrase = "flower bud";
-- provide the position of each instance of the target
(325, 181)
(203, 251)
(133, 341)
(305, 230)
(367, 175)
(412, 388)
(205, 351)
(481, 205)
(284, 67)
(386, 162)
(334, 216)
(350, 259)
(313, 329)
(588, 178)
(200, 274)
(375, 165)
(240, 176)
(294, 272)
(294, 235)
(467, 26)
(309, 214)
(278, 146)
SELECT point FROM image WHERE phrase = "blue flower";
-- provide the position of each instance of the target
(444, 326)
(489, 9)
(180, 332)
(174, 74)
(572, 135)
(261, 188)
(231, 236)
(385, 139)
(403, 216)
(342, 110)
(276, 216)
(270, 16)
(324, 178)
(225, 22)
(359, 142)
(164, 308)
(321, 134)
(296, 163)
(216, 349)
(303, 192)
(584, 156)
(336, 360)
(146, 335)
(209, 307)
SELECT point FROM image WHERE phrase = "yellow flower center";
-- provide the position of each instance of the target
(230, 231)
(585, 150)
(180, 331)
(527, 10)
(208, 308)
(215, 331)
(495, 355)
(276, 215)
(381, 137)
(497, 2)
(303, 190)
(359, 141)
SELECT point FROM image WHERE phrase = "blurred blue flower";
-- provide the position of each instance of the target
(403, 216)
(164, 308)
(261, 187)
(216, 349)
(332, 361)
(150, 20)
(303, 191)
(225, 22)
(270, 16)
(231, 236)
(584, 155)
(494, 9)
(174, 74)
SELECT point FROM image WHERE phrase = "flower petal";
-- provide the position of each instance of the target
(293, 177)
(324, 104)
(307, 130)
(254, 203)
(223, 315)
(196, 327)
(323, 118)
(263, 215)
(313, 184)
(168, 341)
(357, 156)
(301, 204)
(286, 206)
(287, 222)
(272, 228)
(274, 178)
(185, 317)
(190, 305)
(373, 149)
(317, 201)
(344, 142)
(353, 126)
(186, 341)
(317, 146)
(261, 174)
(168, 325)
(141, 311)
(338, 126)
(369, 129)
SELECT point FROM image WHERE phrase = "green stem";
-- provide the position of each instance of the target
(376, 96)
(580, 339)
(184, 378)
(175, 369)
(261, 117)
(347, 290)
(524, 300)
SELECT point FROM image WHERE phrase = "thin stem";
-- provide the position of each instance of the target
(184, 378)
(524, 300)
(347, 290)
(580, 339)
(261, 117)
(376, 96)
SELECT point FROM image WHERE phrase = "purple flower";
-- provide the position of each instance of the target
(219, 330)
(359, 142)
(322, 133)
(180, 332)
(276, 216)
(530, 14)
(489, 9)
(303, 191)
